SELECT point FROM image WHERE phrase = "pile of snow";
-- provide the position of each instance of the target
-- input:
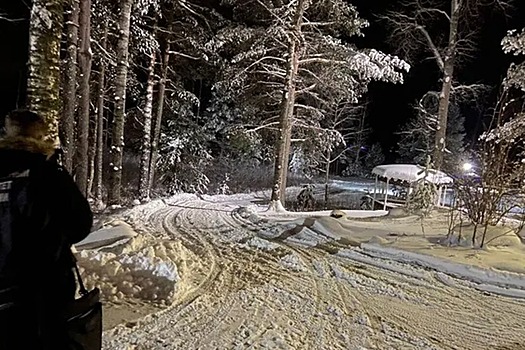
(348, 214)
(307, 237)
(137, 269)
(248, 212)
(498, 282)
(262, 244)
(293, 262)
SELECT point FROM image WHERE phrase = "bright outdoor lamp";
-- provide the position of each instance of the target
(467, 167)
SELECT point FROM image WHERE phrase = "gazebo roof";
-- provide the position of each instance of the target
(411, 173)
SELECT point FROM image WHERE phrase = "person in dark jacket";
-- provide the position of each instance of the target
(42, 219)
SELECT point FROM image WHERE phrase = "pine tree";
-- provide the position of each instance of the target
(144, 181)
(258, 82)
(374, 157)
(119, 117)
(84, 60)
(423, 197)
(70, 84)
(157, 124)
(101, 94)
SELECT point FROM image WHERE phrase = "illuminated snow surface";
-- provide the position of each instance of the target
(226, 273)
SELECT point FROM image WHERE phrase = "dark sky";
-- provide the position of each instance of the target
(390, 105)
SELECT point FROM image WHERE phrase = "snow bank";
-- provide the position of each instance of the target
(362, 214)
(138, 269)
(506, 283)
(496, 236)
(307, 238)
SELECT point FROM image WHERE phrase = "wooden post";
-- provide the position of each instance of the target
(386, 193)
(375, 191)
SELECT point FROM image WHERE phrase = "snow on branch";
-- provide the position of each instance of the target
(509, 132)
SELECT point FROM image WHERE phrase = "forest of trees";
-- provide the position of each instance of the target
(151, 97)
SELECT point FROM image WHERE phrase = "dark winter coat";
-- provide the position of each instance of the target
(37, 261)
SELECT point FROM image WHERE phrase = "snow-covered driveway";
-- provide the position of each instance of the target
(249, 282)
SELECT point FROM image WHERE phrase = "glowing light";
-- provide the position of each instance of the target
(467, 167)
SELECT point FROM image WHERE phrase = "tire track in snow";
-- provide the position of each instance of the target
(476, 333)
(242, 297)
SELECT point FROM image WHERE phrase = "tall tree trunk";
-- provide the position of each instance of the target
(99, 156)
(287, 108)
(327, 177)
(43, 86)
(444, 96)
(92, 150)
(84, 60)
(360, 137)
(119, 117)
(158, 117)
(70, 86)
(144, 189)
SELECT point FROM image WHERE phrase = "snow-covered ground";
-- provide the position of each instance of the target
(224, 273)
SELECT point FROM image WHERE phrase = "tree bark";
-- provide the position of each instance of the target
(92, 151)
(43, 86)
(444, 96)
(84, 60)
(327, 177)
(144, 184)
(360, 137)
(158, 117)
(70, 86)
(287, 107)
(119, 117)
(99, 154)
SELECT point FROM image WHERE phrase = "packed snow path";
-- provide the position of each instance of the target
(245, 284)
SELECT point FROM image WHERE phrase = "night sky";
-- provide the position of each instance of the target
(390, 105)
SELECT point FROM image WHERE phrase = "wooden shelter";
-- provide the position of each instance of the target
(409, 174)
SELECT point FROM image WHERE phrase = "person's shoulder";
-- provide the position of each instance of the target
(47, 170)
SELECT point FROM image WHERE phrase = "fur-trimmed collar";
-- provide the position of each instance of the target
(27, 144)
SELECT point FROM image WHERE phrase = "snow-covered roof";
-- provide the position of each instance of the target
(411, 173)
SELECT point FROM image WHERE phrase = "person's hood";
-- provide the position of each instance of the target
(18, 143)
(19, 153)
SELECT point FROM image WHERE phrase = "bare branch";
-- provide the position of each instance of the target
(321, 60)
(432, 47)
(4, 17)
(433, 10)
(317, 24)
(299, 105)
(177, 53)
(265, 126)
(306, 89)
(279, 59)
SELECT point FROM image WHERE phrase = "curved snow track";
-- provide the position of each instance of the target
(246, 287)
